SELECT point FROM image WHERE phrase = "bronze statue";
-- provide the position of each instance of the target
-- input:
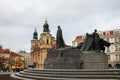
(96, 41)
(93, 42)
(87, 43)
(59, 39)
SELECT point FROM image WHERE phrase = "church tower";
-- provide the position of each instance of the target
(34, 47)
(40, 47)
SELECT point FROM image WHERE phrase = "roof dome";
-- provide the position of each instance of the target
(35, 35)
(46, 27)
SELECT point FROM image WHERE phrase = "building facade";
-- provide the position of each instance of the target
(10, 60)
(40, 47)
(26, 58)
(113, 52)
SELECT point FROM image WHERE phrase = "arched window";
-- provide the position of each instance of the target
(47, 41)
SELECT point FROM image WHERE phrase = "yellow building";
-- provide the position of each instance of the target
(17, 61)
(40, 47)
(10, 60)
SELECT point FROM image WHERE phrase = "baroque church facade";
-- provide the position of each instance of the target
(40, 47)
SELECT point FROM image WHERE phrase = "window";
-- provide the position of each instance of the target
(111, 32)
(0, 54)
(108, 49)
(47, 41)
(107, 33)
(117, 39)
(117, 48)
(116, 32)
(104, 34)
(117, 56)
(107, 39)
(108, 57)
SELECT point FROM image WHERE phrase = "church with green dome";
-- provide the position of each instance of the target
(41, 46)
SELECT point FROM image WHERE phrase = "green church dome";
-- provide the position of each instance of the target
(35, 35)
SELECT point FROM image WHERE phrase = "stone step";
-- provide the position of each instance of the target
(76, 70)
(72, 76)
(66, 77)
(19, 78)
(60, 74)
(74, 73)
(33, 77)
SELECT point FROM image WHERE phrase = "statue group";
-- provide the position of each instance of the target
(93, 42)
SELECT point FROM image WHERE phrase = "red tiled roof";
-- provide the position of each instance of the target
(4, 50)
(15, 54)
(7, 51)
(1, 51)
(78, 38)
(111, 32)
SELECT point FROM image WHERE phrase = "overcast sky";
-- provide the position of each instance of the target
(18, 19)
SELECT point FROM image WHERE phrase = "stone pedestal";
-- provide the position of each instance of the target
(63, 59)
(94, 61)
(75, 59)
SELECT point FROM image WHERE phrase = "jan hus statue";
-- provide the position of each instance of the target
(59, 39)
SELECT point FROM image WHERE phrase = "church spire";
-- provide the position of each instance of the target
(35, 35)
(46, 20)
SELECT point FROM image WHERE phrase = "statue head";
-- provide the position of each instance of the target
(95, 30)
(86, 34)
(58, 26)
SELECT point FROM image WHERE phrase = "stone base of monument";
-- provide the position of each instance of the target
(67, 74)
(75, 59)
(93, 60)
(63, 59)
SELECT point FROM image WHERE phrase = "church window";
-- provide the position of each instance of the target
(47, 41)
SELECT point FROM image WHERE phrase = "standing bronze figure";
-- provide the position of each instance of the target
(59, 38)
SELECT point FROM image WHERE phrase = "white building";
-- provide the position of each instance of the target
(26, 57)
(113, 52)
